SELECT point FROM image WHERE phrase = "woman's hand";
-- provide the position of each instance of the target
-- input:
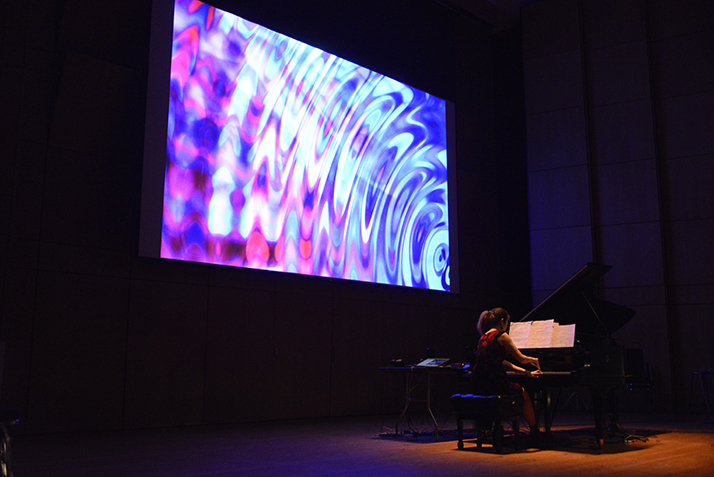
(534, 374)
(506, 341)
(534, 362)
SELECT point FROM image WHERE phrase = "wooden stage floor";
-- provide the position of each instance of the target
(681, 445)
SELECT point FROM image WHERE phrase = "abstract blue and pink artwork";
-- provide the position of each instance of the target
(283, 157)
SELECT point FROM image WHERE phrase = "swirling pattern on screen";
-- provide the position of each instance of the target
(283, 157)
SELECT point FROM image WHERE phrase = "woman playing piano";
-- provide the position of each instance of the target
(488, 375)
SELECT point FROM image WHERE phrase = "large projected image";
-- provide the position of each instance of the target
(283, 157)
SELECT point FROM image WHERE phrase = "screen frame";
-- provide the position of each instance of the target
(154, 161)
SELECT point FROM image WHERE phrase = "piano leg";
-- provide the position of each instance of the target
(599, 414)
(551, 405)
(604, 406)
(613, 410)
(544, 407)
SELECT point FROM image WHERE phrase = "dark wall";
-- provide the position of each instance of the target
(620, 109)
(99, 338)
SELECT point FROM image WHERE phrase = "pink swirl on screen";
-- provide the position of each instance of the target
(283, 157)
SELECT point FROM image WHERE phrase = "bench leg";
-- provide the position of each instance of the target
(498, 436)
(460, 430)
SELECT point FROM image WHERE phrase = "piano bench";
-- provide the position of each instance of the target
(484, 410)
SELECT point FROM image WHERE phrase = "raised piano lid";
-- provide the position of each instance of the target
(575, 302)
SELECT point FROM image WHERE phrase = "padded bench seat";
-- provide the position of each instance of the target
(487, 410)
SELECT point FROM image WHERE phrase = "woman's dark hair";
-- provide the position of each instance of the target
(490, 319)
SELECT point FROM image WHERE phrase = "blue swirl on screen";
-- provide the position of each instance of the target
(281, 156)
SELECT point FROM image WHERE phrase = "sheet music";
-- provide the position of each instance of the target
(563, 336)
(541, 333)
(519, 332)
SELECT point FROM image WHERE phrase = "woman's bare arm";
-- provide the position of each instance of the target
(507, 343)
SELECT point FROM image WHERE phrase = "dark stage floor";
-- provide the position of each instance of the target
(664, 445)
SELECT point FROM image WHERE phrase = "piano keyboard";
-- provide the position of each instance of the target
(546, 373)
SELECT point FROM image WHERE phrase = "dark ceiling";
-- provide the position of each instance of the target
(498, 14)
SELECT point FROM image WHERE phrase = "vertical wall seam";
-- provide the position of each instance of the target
(593, 195)
(676, 382)
(205, 349)
(332, 354)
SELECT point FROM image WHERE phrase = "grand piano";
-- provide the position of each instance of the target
(595, 362)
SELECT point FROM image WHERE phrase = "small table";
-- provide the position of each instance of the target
(409, 372)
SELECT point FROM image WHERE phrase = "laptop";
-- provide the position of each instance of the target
(433, 362)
